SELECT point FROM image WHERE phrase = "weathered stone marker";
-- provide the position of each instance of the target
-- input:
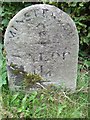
(41, 40)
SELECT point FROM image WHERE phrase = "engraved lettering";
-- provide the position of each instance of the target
(48, 73)
(43, 43)
(26, 14)
(14, 28)
(41, 69)
(34, 71)
(27, 19)
(64, 54)
(33, 60)
(55, 54)
(17, 56)
(41, 24)
(35, 13)
(41, 57)
(12, 33)
(44, 11)
(53, 16)
(42, 33)
(19, 21)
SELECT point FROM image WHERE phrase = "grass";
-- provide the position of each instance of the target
(49, 103)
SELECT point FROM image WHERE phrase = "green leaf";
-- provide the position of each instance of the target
(19, 110)
(24, 102)
(1, 9)
(81, 4)
(42, 96)
(60, 109)
(76, 114)
(2, 81)
(4, 76)
(14, 97)
(40, 109)
(87, 63)
(73, 4)
(32, 97)
(5, 22)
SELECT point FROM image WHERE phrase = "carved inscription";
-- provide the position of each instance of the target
(43, 39)
(19, 21)
(43, 65)
(44, 12)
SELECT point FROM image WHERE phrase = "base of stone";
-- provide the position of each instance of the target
(41, 86)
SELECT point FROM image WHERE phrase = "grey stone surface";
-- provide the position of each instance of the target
(42, 39)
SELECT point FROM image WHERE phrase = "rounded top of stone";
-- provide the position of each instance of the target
(64, 16)
(53, 10)
(40, 6)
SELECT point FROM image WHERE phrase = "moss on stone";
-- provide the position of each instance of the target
(28, 78)
(31, 79)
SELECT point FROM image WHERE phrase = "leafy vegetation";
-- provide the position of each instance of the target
(52, 102)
